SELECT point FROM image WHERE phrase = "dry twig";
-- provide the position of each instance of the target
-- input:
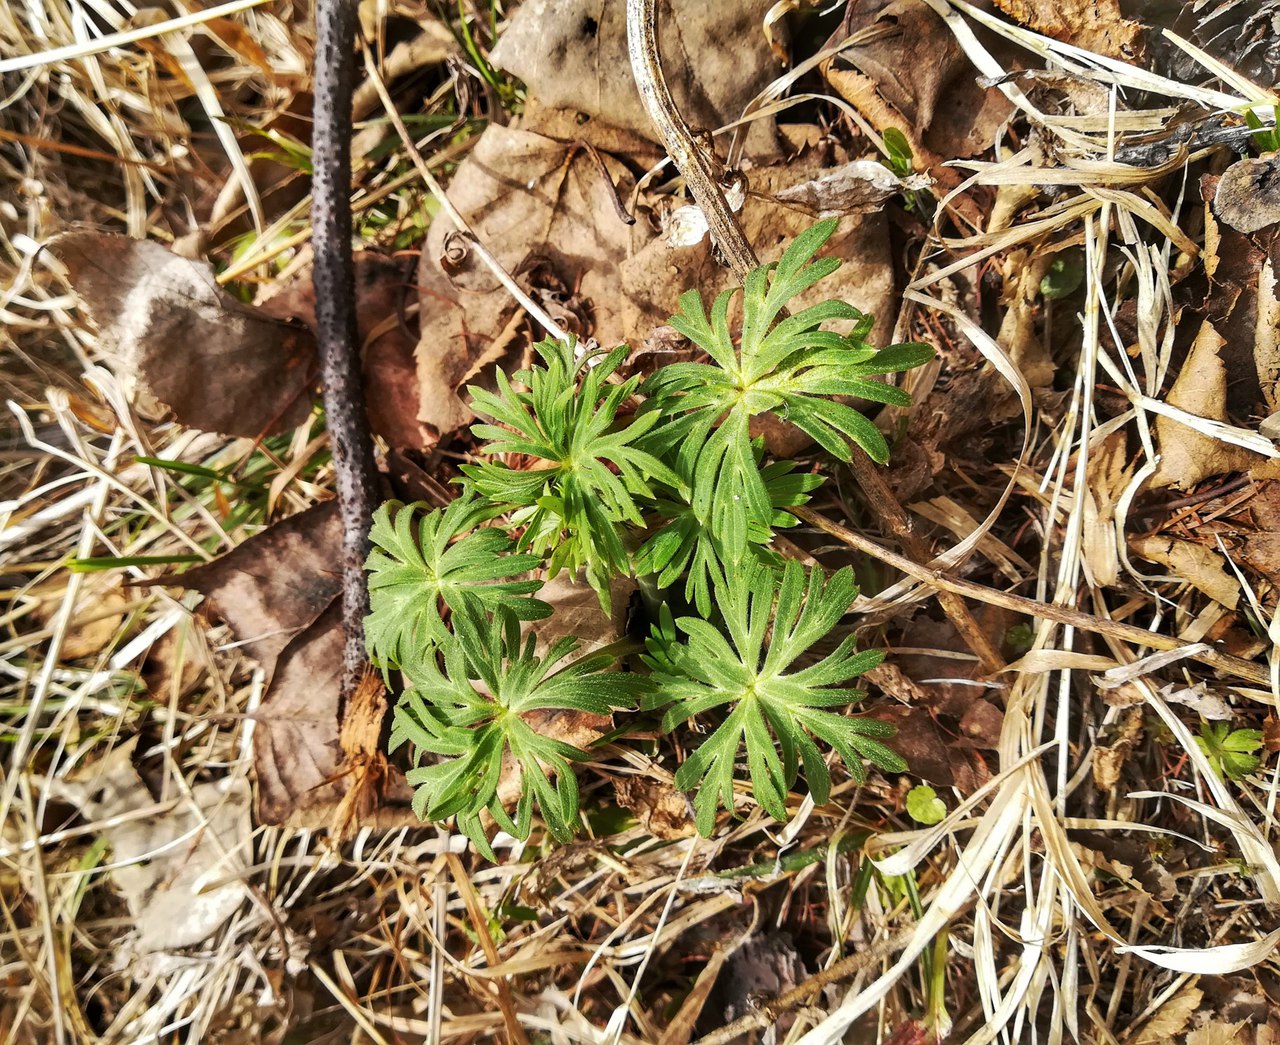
(355, 473)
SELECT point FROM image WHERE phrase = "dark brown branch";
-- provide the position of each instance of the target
(334, 281)
(769, 1011)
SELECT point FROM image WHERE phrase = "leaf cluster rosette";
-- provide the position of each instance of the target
(466, 711)
(582, 469)
(777, 711)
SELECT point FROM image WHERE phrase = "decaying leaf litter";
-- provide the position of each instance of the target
(1086, 270)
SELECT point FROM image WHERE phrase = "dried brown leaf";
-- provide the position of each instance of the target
(919, 69)
(576, 611)
(953, 423)
(1260, 547)
(937, 659)
(179, 342)
(1186, 456)
(96, 617)
(1271, 734)
(317, 764)
(656, 274)
(933, 755)
(1021, 328)
(1109, 471)
(1215, 1032)
(1193, 563)
(384, 287)
(572, 55)
(297, 757)
(160, 864)
(1109, 759)
(661, 810)
(1241, 304)
(278, 593)
(528, 198)
(275, 584)
(982, 723)
(1095, 25)
(851, 188)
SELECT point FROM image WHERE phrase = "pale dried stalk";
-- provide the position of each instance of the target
(1041, 610)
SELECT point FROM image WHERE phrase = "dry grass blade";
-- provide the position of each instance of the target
(938, 580)
(68, 52)
(1028, 809)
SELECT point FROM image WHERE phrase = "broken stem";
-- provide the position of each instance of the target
(688, 156)
(881, 498)
(336, 339)
(693, 163)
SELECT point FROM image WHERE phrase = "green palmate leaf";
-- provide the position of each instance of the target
(786, 366)
(590, 471)
(423, 560)
(1230, 752)
(778, 712)
(686, 546)
(465, 710)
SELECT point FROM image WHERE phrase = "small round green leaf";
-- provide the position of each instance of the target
(924, 806)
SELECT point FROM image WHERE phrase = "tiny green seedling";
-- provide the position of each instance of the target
(1230, 752)
(898, 157)
(661, 480)
(1064, 277)
(1266, 136)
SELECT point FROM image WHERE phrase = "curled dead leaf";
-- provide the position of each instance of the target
(860, 185)
(1109, 759)
(661, 810)
(1188, 456)
(181, 343)
(572, 55)
(1109, 473)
